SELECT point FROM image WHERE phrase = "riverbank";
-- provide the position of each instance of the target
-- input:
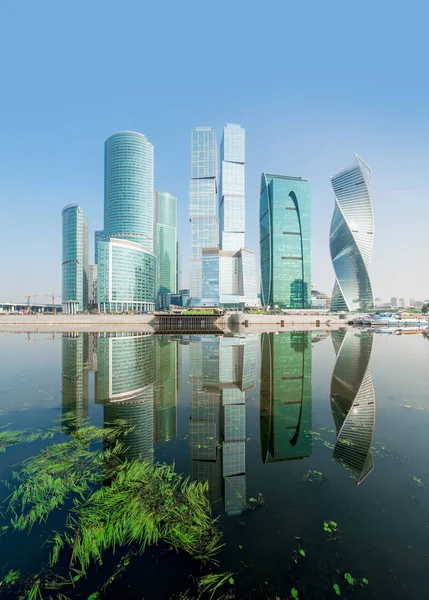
(100, 323)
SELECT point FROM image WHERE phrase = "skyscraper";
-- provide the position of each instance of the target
(285, 241)
(126, 262)
(231, 188)
(166, 243)
(202, 202)
(75, 259)
(351, 238)
(178, 266)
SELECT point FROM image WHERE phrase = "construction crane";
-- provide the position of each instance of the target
(53, 296)
(28, 299)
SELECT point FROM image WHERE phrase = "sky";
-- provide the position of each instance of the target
(311, 82)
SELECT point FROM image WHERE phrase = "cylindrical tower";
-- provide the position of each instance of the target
(128, 188)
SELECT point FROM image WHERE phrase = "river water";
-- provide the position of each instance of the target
(297, 433)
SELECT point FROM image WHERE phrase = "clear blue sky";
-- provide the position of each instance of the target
(312, 82)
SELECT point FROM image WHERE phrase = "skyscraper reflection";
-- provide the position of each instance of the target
(125, 384)
(221, 370)
(353, 402)
(285, 397)
(75, 367)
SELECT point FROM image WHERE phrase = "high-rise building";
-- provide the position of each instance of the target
(202, 202)
(352, 238)
(178, 266)
(75, 259)
(394, 302)
(285, 241)
(229, 271)
(286, 400)
(98, 236)
(126, 261)
(402, 303)
(166, 243)
(231, 188)
(353, 402)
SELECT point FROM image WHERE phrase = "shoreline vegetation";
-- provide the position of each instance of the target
(113, 506)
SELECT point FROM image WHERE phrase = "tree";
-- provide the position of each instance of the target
(425, 309)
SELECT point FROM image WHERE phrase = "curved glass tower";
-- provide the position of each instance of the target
(128, 188)
(351, 238)
(353, 402)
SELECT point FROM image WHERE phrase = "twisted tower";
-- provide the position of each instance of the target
(351, 238)
(353, 402)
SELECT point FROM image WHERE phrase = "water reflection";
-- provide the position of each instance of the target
(353, 402)
(222, 369)
(137, 379)
(285, 401)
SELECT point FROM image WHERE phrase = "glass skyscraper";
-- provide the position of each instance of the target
(231, 188)
(128, 188)
(166, 243)
(351, 238)
(285, 241)
(202, 202)
(125, 254)
(98, 236)
(75, 259)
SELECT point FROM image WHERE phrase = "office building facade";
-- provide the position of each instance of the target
(352, 238)
(202, 203)
(231, 189)
(285, 241)
(166, 244)
(75, 259)
(126, 276)
(98, 236)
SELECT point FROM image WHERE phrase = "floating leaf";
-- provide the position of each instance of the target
(240, 546)
(302, 552)
(349, 578)
(294, 593)
(231, 580)
(93, 596)
(365, 580)
(337, 589)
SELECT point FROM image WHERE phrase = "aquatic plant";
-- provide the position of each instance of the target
(112, 503)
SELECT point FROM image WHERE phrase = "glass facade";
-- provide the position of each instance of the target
(126, 276)
(202, 203)
(75, 259)
(285, 241)
(166, 243)
(353, 402)
(98, 236)
(128, 188)
(286, 396)
(231, 188)
(92, 284)
(352, 238)
(229, 278)
(166, 390)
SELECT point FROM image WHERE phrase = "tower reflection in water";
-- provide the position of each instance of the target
(222, 369)
(353, 402)
(75, 389)
(285, 396)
